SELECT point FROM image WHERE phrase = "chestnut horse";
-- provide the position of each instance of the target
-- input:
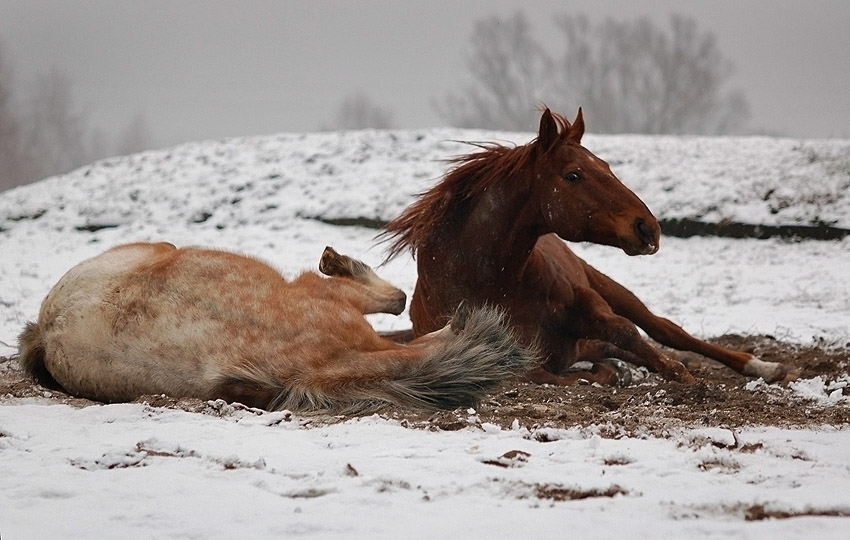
(491, 233)
(153, 319)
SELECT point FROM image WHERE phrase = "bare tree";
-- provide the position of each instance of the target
(629, 77)
(358, 112)
(136, 137)
(510, 75)
(55, 132)
(634, 77)
(45, 134)
(13, 161)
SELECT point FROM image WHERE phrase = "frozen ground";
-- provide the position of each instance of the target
(136, 471)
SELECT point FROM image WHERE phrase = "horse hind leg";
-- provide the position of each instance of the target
(379, 296)
(603, 373)
(607, 360)
(608, 366)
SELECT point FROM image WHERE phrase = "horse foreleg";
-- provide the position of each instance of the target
(664, 331)
(597, 321)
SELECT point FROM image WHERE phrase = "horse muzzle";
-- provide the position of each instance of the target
(646, 238)
(397, 303)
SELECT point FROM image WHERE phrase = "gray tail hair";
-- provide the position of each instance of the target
(31, 354)
(483, 353)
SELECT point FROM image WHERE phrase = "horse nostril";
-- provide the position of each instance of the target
(644, 231)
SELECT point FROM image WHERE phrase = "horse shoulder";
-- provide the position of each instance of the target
(553, 267)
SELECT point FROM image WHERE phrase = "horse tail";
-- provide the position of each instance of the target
(453, 372)
(481, 353)
(31, 354)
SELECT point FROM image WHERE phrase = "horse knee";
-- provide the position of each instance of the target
(622, 333)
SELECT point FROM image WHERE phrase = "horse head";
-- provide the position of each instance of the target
(580, 199)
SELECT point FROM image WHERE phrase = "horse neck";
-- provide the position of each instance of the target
(492, 236)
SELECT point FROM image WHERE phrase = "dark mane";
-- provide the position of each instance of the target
(471, 176)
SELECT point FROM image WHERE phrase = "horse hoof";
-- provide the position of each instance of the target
(622, 370)
(769, 371)
(682, 375)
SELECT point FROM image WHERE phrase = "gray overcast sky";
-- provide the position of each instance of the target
(201, 69)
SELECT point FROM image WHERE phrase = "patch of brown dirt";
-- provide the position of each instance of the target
(650, 406)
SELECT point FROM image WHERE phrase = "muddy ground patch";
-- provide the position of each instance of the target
(650, 406)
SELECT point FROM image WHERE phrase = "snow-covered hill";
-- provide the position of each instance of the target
(373, 174)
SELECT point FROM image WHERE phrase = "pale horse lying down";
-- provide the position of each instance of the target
(149, 318)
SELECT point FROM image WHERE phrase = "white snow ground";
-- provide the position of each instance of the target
(133, 471)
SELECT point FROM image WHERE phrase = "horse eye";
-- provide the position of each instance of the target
(572, 177)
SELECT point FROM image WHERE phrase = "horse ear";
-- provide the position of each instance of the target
(577, 129)
(548, 135)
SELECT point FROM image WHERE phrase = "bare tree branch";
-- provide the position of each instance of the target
(54, 130)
